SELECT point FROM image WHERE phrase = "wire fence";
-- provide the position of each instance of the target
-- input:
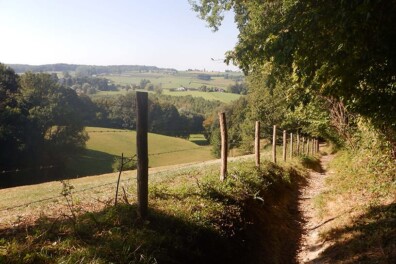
(47, 167)
(42, 167)
(60, 195)
(133, 177)
(279, 133)
(114, 182)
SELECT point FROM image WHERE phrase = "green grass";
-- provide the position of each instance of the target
(361, 205)
(192, 215)
(167, 81)
(211, 96)
(105, 144)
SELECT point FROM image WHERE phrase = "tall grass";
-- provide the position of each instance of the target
(193, 218)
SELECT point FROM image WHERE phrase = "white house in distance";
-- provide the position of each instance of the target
(181, 89)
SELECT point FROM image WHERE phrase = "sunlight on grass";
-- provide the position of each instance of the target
(191, 215)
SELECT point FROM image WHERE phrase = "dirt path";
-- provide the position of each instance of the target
(311, 245)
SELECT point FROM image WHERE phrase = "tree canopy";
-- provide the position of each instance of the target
(40, 122)
(342, 51)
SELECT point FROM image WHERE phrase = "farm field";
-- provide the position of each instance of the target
(167, 81)
(105, 144)
(211, 96)
(180, 79)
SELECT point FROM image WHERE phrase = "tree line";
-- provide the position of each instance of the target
(325, 68)
(166, 116)
(87, 70)
(42, 121)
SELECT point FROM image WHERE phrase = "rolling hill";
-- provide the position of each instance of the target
(105, 144)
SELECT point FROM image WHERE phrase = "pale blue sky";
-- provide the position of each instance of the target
(163, 33)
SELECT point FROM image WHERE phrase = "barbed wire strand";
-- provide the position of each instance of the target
(60, 196)
(133, 177)
(42, 167)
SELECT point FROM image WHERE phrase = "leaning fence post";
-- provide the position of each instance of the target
(119, 177)
(291, 145)
(224, 146)
(284, 145)
(257, 144)
(142, 152)
(274, 144)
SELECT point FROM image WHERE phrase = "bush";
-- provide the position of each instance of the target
(129, 164)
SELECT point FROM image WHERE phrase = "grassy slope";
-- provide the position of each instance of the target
(360, 204)
(192, 215)
(103, 147)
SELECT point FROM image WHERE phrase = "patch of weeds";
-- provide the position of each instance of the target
(128, 163)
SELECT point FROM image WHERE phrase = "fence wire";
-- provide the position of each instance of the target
(42, 167)
(133, 177)
(46, 167)
(279, 131)
(60, 195)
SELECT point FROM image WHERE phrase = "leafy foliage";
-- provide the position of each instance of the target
(40, 121)
(164, 117)
(340, 50)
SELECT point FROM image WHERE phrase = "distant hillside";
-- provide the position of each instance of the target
(93, 69)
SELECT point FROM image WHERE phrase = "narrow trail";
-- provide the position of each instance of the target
(311, 245)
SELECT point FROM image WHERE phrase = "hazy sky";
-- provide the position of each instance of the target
(164, 33)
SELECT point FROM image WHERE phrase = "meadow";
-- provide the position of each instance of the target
(105, 145)
(181, 79)
(192, 214)
(188, 79)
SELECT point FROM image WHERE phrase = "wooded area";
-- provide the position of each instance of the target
(323, 68)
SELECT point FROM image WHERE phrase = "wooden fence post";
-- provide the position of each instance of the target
(284, 145)
(224, 146)
(308, 150)
(298, 144)
(274, 144)
(314, 146)
(142, 152)
(317, 146)
(291, 145)
(303, 146)
(257, 144)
